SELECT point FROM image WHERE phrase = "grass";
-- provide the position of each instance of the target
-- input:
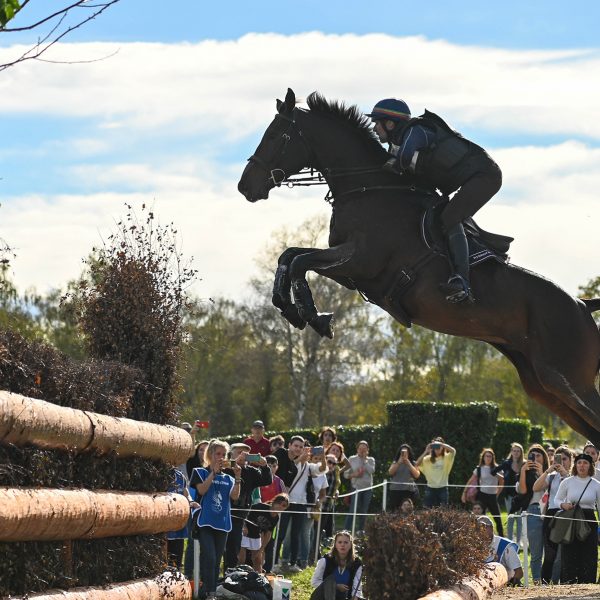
(301, 587)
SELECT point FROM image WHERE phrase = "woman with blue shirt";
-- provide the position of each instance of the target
(215, 491)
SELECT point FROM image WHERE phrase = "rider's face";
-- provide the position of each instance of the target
(381, 131)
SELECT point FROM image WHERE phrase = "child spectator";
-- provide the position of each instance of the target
(268, 492)
(258, 529)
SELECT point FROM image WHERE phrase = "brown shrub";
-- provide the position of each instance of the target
(407, 557)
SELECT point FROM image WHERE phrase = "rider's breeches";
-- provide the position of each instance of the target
(473, 194)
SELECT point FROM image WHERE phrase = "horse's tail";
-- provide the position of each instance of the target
(593, 304)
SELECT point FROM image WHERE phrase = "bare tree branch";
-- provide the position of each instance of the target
(55, 34)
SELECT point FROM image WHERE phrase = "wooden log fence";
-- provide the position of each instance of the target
(168, 586)
(29, 421)
(50, 514)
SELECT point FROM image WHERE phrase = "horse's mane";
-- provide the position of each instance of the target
(350, 115)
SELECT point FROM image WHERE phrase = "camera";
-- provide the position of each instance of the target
(317, 450)
(436, 446)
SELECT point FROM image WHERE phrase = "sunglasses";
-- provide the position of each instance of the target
(331, 462)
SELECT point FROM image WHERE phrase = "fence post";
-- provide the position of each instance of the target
(318, 544)
(525, 548)
(196, 568)
(384, 504)
(355, 499)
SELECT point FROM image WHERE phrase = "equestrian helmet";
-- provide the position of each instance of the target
(390, 109)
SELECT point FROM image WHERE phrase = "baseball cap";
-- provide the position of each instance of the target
(484, 520)
(258, 424)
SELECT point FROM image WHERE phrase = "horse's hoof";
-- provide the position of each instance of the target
(290, 314)
(278, 301)
(323, 325)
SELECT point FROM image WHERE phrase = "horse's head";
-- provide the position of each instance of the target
(282, 152)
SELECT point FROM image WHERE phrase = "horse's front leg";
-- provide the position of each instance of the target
(323, 260)
(282, 298)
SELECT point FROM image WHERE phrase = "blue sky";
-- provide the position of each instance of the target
(179, 99)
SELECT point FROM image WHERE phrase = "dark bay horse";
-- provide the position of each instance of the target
(548, 335)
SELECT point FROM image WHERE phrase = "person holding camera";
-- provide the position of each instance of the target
(529, 500)
(404, 474)
(510, 468)
(216, 490)
(436, 463)
(549, 481)
(360, 474)
(254, 472)
(295, 554)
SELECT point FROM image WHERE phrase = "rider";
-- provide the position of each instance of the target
(427, 147)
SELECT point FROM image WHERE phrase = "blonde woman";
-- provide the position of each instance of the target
(436, 463)
(215, 492)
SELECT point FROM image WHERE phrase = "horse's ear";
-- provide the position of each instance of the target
(290, 100)
(279, 105)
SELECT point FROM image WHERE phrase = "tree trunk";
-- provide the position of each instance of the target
(28, 421)
(50, 514)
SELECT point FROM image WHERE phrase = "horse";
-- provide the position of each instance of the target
(376, 247)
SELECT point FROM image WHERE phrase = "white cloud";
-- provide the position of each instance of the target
(224, 91)
(228, 87)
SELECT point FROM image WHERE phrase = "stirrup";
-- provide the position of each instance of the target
(457, 290)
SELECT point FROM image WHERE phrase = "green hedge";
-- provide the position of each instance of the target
(509, 431)
(536, 434)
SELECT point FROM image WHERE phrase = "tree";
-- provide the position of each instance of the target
(52, 27)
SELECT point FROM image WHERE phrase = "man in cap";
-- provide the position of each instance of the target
(257, 441)
(503, 551)
(429, 148)
(253, 476)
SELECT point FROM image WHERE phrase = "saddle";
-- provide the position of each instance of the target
(483, 245)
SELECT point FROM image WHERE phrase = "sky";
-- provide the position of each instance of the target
(144, 106)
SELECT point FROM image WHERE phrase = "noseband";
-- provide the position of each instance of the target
(279, 151)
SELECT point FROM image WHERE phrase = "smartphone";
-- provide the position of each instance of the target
(202, 424)
(317, 450)
(253, 457)
(557, 459)
(404, 452)
(531, 457)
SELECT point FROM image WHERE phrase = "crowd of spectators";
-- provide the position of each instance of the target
(268, 503)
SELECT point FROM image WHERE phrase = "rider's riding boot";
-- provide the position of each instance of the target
(458, 286)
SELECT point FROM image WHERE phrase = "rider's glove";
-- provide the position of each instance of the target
(393, 166)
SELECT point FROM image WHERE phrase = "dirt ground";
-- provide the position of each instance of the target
(555, 592)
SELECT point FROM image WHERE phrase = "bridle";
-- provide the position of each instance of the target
(280, 149)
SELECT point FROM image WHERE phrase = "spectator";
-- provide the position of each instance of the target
(257, 441)
(320, 484)
(258, 529)
(333, 486)
(579, 559)
(337, 449)
(197, 459)
(176, 539)
(360, 473)
(338, 575)
(590, 449)
(549, 481)
(511, 469)
(276, 442)
(489, 485)
(216, 490)
(477, 508)
(268, 492)
(404, 474)
(436, 463)
(503, 551)
(186, 427)
(407, 507)
(534, 466)
(253, 476)
(327, 436)
(296, 516)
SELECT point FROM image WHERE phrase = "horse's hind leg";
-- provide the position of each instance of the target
(538, 392)
(281, 297)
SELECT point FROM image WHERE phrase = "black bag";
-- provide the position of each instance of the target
(243, 579)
